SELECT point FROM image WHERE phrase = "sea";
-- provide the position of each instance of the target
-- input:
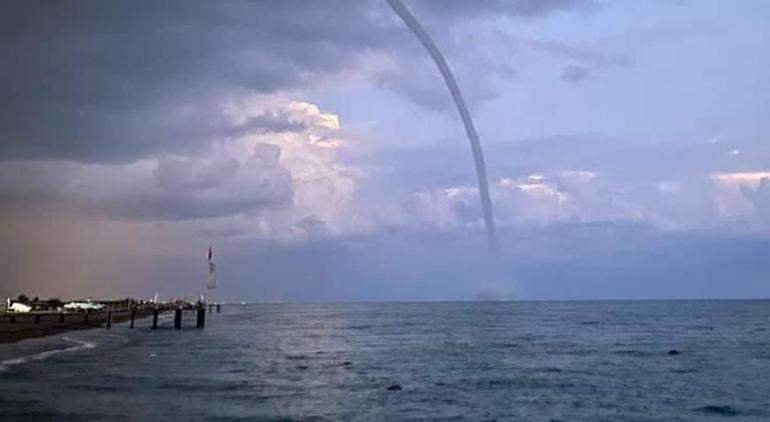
(476, 361)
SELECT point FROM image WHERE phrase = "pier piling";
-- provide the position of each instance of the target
(177, 318)
(155, 318)
(201, 320)
(108, 324)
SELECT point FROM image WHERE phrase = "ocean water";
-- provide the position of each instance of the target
(519, 361)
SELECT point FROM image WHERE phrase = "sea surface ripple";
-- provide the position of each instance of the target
(519, 361)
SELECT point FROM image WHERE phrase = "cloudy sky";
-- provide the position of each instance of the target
(314, 145)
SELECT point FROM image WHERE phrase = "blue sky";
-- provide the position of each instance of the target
(316, 148)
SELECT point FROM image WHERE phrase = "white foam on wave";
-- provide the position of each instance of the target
(78, 346)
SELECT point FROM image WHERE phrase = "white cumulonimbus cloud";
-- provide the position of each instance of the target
(568, 197)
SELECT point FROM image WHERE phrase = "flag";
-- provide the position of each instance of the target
(211, 282)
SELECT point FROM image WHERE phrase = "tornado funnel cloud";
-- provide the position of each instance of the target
(473, 137)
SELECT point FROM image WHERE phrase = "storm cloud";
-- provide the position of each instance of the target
(112, 81)
(313, 144)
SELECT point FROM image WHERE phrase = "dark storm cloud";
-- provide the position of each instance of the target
(167, 188)
(105, 81)
(111, 80)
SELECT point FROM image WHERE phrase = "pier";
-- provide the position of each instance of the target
(15, 326)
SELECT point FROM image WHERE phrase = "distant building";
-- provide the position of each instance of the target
(83, 306)
(116, 303)
(19, 308)
(50, 305)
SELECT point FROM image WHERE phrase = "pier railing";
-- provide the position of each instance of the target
(106, 317)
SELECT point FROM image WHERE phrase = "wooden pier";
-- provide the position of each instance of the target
(17, 326)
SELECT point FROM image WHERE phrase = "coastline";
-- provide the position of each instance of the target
(26, 328)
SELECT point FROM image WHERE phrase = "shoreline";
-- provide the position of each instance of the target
(48, 325)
